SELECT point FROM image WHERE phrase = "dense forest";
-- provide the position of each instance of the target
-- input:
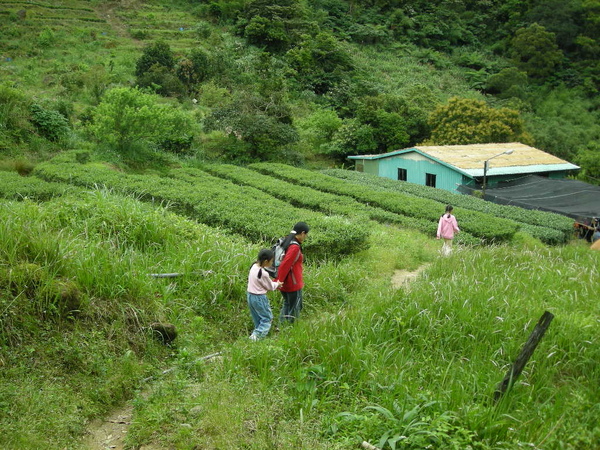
(300, 81)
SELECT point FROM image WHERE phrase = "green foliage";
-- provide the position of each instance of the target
(231, 206)
(51, 124)
(318, 128)
(509, 82)
(320, 62)
(549, 227)
(46, 37)
(465, 121)
(485, 227)
(129, 116)
(158, 53)
(534, 50)
(262, 127)
(162, 81)
(564, 122)
(274, 25)
(195, 69)
(14, 116)
(589, 159)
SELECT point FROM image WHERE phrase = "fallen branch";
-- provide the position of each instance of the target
(204, 273)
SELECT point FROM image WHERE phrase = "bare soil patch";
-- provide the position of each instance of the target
(401, 278)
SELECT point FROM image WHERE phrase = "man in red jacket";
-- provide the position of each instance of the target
(290, 273)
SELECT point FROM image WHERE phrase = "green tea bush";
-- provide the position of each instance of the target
(17, 187)
(484, 226)
(544, 223)
(306, 197)
(218, 202)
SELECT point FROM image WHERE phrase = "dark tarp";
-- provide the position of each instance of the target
(571, 198)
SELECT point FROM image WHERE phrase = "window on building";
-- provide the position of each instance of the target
(401, 174)
(360, 167)
(430, 179)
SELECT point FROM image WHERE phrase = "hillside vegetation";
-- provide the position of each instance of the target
(150, 138)
(299, 81)
(402, 368)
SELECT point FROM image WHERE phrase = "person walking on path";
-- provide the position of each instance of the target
(259, 283)
(290, 273)
(447, 228)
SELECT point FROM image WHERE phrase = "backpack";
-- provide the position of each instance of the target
(279, 249)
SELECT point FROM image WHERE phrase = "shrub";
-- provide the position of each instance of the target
(129, 116)
(158, 53)
(51, 124)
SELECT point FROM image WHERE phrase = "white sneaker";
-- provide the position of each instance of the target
(253, 337)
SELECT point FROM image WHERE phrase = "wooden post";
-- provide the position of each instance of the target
(528, 349)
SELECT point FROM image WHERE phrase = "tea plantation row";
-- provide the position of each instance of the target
(498, 224)
(217, 202)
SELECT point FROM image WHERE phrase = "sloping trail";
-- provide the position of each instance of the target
(402, 278)
(109, 433)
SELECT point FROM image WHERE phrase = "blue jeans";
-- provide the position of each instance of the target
(261, 314)
(292, 305)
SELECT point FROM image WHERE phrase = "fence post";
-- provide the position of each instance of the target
(528, 349)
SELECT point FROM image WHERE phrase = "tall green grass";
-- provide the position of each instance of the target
(417, 367)
(410, 367)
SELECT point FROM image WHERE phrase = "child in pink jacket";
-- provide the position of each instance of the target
(447, 227)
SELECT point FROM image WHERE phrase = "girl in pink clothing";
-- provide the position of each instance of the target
(447, 227)
(259, 284)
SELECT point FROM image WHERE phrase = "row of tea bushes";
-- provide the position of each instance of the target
(214, 201)
(306, 197)
(549, 227)
(485, 226)
(16, 187)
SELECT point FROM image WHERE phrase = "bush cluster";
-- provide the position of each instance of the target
(484, 226)
(549, 227)
(217, 202)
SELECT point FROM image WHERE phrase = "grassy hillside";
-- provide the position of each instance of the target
(398, 367)
(341, 79)
(116, 120)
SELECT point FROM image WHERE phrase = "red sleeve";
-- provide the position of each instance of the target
(291, 255)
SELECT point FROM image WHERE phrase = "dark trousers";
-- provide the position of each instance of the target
(292, 305)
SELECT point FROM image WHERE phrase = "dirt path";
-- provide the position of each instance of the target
(109, 433)
(403, 277)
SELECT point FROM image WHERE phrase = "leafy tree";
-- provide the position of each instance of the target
(467, 121)
(273, 24)
(534, 51)
(589, 161)
(158, 53)
(320, 62)
(509, 82)
(162, 81)
(195, 69)
(352, 138)
(264, 128)
(561, 17)
(388, 129)
(127, 116)
(318, 129)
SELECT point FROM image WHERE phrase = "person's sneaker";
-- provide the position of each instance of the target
(253, 337)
